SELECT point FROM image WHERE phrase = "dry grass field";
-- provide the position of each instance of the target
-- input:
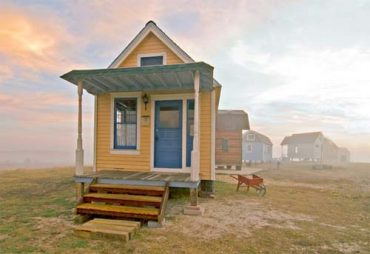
(304, 211)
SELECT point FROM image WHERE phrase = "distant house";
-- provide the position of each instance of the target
(256, 147)
(229, 136)
(312, 146)
(344, 155)
(303, 146)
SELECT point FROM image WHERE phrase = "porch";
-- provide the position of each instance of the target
(175, 180)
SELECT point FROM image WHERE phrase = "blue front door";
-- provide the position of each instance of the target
(168, 134)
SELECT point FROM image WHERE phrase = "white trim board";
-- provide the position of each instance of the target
(164, 97)
(163, 54)
(95, 131)
(136, 151)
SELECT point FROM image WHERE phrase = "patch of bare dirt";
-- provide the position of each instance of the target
(51, 230)
(236, 217)
(3, 237)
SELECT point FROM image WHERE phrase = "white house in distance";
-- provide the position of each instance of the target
(256, 147)
(312, 146)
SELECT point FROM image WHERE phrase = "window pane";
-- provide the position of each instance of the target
(152, 60)
(225, 145)
(169, 117)
(125, 126)
(190, 115)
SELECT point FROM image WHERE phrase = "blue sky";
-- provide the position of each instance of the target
(294, 66)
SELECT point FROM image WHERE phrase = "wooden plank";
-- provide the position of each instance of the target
(134, 187)
(85, 231)
(124, 196)
(147, 213)
(135, 224)
(123, 199)
(164, 204)
(109, 227)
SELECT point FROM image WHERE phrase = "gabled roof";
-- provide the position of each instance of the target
(152, 27)
(232, 120)
(330, 142)
(258, 137)
(301, 138)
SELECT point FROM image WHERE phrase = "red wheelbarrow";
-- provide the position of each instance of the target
(254, 181)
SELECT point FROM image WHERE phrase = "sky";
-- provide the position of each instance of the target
(294, 66)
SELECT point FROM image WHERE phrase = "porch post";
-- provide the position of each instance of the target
(79, 149)
(194, 208)
(195, 155)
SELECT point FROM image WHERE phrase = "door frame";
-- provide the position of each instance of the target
(165, 97)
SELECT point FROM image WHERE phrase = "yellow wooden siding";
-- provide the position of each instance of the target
(150, 44)
(104, 158)
(205, 135)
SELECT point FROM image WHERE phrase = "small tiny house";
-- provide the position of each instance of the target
(229, 136)
(303, 146)
(344, 156)
(155, 115)
(312, 146)
(256, 147)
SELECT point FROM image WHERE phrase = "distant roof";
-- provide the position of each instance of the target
(232, 120)
(258, 137)
(301, 138)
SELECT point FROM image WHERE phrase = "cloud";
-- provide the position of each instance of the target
(30, 46)
(5, 73)
(324, 83)
(41, 110)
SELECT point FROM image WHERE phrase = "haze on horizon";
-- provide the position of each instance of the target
(294, 66)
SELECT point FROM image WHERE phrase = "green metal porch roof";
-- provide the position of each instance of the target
(148, 78)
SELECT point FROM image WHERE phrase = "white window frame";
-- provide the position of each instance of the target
(114, 96)
(163, 54)
(251, 137)
(165, 97)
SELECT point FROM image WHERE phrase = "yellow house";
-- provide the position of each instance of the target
(155, 110)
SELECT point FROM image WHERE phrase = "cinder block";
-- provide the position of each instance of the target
(156, 224)
(194, 210)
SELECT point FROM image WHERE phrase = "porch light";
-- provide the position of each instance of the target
(145, 99)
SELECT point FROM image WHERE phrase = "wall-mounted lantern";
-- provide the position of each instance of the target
(145, 99)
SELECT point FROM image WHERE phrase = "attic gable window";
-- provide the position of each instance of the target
(251, 137)
(151, 59)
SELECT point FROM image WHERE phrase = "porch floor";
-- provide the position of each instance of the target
(176, 179)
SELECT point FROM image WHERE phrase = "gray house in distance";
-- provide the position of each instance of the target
(256, 147)
(312, 146)
(303, 146)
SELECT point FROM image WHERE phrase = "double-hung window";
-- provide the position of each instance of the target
(125, 123)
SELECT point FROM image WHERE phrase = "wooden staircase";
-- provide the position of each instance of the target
(145, 203)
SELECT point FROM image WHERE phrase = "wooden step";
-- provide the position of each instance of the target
(123, 199)
(119, 229)
(146, 213)
(128, 189)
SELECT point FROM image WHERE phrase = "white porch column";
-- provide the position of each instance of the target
(79, 150)
(195, 154)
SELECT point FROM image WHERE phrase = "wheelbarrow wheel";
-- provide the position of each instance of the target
(261, 190)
